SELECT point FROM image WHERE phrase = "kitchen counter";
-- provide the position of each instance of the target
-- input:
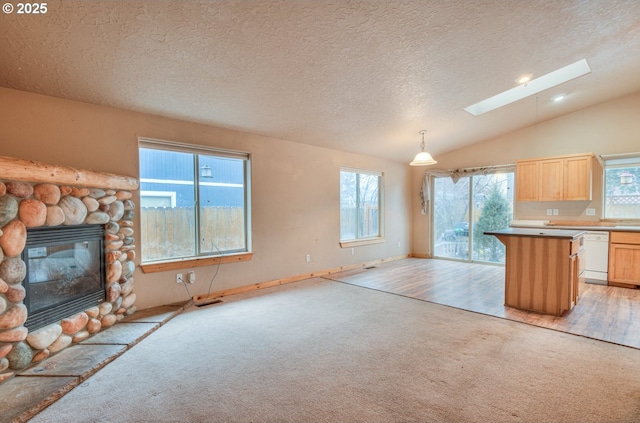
(542, 231)
(576, 226)
(543, 268)
(612, 253)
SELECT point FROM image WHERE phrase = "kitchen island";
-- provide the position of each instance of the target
(543, 268)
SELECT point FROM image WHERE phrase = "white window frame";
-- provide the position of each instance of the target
(361, 240)
(244, 254)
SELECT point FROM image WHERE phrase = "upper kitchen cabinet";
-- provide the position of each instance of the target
(527, 181)
(551, 180)
(564, 178)
(578, 178)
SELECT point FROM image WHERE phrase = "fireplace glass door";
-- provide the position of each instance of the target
(65, 272)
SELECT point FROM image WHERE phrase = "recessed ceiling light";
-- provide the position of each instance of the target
(552, 79)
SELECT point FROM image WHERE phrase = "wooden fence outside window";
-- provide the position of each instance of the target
(168, 233)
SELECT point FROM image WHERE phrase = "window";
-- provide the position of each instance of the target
(360, 204)
(622, 187)
(464, 210)
(194, 201)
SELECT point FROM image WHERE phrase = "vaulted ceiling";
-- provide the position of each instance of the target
(363, 75)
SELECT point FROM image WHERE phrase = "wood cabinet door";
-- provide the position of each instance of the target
(624, 263)
(551, 180)
(527, 181)
(577, 178)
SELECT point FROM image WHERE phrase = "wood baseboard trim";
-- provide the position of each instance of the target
(290, 279)
(418, 255)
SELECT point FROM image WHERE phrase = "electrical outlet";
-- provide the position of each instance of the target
(308, 258)
(191, 276)
(179, 278)
(591, 212)
(556, 212)
(353, 251)
(549, 212)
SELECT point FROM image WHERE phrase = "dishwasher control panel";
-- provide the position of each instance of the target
(601, 236)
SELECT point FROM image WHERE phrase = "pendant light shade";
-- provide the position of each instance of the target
(423, 158)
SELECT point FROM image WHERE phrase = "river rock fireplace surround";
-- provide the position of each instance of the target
(35, 196)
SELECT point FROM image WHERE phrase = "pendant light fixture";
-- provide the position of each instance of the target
(423, 158)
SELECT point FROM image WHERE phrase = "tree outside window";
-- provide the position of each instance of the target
(495, 214)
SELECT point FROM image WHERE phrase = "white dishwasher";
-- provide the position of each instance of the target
(596, 257)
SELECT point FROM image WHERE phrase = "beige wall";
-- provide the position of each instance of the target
(608, 128)
(295, 200)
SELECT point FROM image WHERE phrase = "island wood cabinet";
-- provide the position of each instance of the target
(624, 258)
(544, 270)
(565, 178)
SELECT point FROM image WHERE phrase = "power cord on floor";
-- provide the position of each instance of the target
(217, 267)
(183, 283)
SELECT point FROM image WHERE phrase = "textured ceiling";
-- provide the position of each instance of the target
(362, 76)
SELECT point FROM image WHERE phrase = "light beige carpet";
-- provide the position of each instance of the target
(324, 351)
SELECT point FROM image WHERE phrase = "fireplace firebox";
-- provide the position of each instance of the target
(65, 272)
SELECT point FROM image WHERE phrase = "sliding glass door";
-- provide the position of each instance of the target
(463, 210)
(451, 218)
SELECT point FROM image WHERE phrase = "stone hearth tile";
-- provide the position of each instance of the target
(78, 360)
(23, 397)
(122, 334)
(159, 314)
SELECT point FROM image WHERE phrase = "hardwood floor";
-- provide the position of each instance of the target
(606, 313)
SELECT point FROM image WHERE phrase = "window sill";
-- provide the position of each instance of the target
(194, 262)
(360, 242)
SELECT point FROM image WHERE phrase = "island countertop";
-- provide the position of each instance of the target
(541, 232)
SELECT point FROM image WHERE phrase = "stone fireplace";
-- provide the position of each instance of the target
(66, 258)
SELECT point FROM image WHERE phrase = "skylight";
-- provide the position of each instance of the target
(531, 87)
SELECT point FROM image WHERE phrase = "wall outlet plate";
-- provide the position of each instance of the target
(179, 278)
(556, 212)
(590, 212)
